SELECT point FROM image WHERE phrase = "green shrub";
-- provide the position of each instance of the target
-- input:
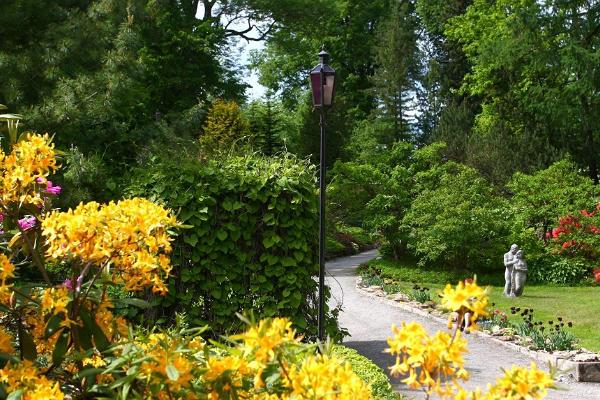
(455, 219)
(252, 244)
(557, 269)
(370, 373)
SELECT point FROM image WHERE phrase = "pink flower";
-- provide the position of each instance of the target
(68, 284)
(586, 213)
(27, 222)
(50, 189)
(1, 217)
(40, 180)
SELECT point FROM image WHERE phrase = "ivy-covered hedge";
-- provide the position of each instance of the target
(252, 244)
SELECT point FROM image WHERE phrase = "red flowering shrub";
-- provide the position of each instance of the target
(597, 274)
(579, 236)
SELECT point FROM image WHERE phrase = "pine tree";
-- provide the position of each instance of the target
(398, 66)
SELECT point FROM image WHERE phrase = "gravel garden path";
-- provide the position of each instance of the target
(369, 319)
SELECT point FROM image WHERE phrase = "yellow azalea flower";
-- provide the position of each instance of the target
(26, 377)
(55, 300)
(131, 236)
(262, 340)
(6, 342)
(30, 159)
(7, 271)
(95, 361)
(427, 359)
(322, 377)
(519, 383)
(466, 297)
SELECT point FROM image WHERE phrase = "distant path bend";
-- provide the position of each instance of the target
(369, 320)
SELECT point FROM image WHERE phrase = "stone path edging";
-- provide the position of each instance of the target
(581, 371)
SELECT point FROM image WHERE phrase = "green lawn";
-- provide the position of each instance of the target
(580, 304)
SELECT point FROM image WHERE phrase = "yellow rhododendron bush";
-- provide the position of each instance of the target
(60, 335)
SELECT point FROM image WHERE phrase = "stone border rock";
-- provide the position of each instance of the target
(587, 369)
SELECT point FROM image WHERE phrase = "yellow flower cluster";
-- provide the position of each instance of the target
(55, 300)
(465, 298)
(517, 383)
(263, 340)
(432, 363)
(29, 160)
(228, 374)
(6, 340)
(34, 386)
(112, 326)
(322, 377)
(130, 236)
(7, 271)
(520, 383)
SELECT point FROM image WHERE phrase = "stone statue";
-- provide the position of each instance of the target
(519, 274)
(509, 262)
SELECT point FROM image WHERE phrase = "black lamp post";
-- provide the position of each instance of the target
(322, 81)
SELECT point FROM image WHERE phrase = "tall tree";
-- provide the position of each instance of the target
(536, 66)
(398, 67)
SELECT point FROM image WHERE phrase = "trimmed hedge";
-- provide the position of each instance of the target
(252, 242)
(368, 372)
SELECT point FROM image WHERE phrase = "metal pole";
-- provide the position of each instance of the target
(321, 319)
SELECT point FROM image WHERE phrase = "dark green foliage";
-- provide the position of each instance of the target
(252, 241)
(374, 376)
(398, 68)
(103, 74)
(271, 125)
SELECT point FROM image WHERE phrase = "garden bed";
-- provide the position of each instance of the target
(579, 364)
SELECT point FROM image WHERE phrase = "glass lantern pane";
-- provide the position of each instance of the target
(315, 82)
(328, 89)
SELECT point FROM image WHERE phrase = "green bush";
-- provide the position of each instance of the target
(251, 244)
(456, 220)
(557, 269)
(370, 373)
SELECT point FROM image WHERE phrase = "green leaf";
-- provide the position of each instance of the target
(192, 239)
(28, 349)
(172, 372)
(139, 303)
(222, 234)
(60, 348)
(90, 323)
(52, 326)
(16, 395)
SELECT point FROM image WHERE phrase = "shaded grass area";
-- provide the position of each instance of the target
(579, 304)
(370, 373)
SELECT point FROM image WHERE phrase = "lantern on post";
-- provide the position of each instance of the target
(322, 80)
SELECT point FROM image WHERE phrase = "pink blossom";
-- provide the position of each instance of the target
(40, 180)
(68, 284)
(27, 222)
(1, 217)
(51, 189)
